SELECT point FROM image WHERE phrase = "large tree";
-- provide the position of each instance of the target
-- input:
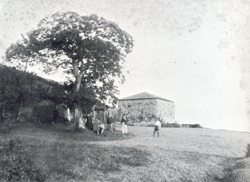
(90, 50)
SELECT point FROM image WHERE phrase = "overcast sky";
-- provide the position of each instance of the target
(193, 52)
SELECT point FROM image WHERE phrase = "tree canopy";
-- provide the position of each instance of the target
(91, 51)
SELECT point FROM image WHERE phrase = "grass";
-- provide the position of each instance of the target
(16, 164)
(57, 161)
(48, 153)
(239, 170)
(58, 153)
(60, 132)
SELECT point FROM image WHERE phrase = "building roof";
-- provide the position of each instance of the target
(143, 95)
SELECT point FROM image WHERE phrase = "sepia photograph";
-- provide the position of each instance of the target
(125, 90)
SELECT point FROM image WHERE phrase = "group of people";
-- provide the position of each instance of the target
(157, 126)
(100, 126)
(110, 121)
(124, 122)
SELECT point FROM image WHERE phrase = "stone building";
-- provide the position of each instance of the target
(145, 106)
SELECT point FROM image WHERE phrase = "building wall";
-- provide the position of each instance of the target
(166, 111)
(145, 109)
(138, 110)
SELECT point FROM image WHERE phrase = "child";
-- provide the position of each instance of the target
(157, 127)
(100, 128)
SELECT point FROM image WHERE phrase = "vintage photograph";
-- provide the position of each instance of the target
(125, 90)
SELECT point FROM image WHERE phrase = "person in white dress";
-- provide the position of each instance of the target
(124, 124)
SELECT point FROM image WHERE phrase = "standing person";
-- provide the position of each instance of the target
(89, 123)
(124, 124)
(110, 123)
(157, 127)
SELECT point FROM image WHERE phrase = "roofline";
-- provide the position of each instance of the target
(145, 99)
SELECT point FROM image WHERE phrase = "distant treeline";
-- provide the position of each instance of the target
(167, 125)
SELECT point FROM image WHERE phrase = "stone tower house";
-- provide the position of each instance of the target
(145, 106)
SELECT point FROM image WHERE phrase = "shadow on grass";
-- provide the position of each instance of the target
(64, 132)
(236, 170)
(88, 135)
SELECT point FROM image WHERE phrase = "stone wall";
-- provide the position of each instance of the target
(166, 111)
(146, 109)
(138, 110)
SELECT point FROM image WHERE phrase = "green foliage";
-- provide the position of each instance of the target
(85, 97)
(16, 165)
(18, 88)
(171, 125)
(8, 92)
(88, 48)
(45, 112)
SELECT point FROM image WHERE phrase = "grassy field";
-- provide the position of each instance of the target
(30, 152)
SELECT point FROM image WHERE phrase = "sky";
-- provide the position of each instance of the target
(193, 52)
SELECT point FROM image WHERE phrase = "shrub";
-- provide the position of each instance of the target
(191, 126)
(171, 125)
(141, 118)
(45, 112)
(195, 126)
(15, 164)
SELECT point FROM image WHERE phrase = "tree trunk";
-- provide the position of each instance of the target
(2, 114)
(77, 111)
(94, 113)
(19, 112)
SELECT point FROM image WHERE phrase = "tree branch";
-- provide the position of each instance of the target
(75, 69)
(61, 64)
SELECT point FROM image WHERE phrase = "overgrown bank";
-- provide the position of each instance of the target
(239, 171)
